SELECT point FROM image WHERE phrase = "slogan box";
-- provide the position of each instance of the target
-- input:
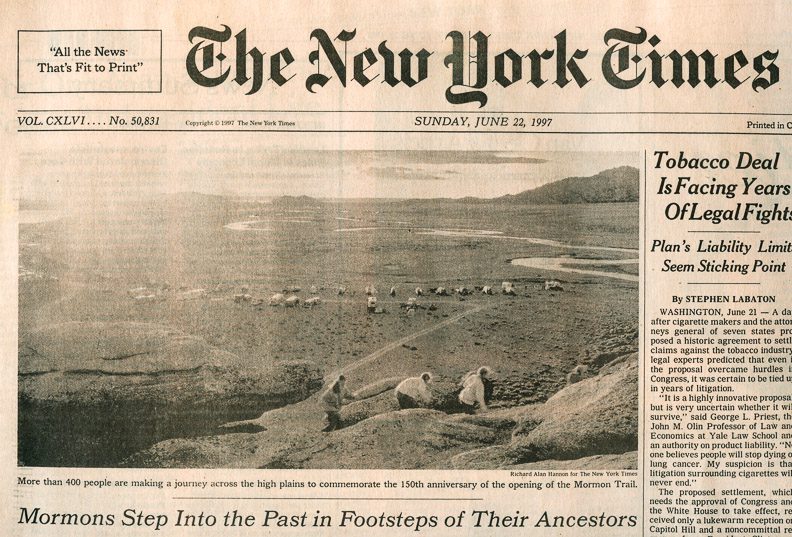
(89, 61)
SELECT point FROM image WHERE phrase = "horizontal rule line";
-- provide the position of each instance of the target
(413, 112)
(733, 231)
(376, 131)
(92, 30)
(724, 283)
(315, 498)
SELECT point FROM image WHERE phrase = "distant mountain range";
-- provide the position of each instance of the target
(295, 201)
(614, 185)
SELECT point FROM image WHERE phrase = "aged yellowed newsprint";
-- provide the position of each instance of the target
(396, 268)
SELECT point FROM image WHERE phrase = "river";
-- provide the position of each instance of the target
(560, 263)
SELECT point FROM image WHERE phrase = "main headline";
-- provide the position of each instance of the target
(271, 518)
(710, 186)
(472, 64)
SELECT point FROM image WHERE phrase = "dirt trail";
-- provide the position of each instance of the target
(406, 339)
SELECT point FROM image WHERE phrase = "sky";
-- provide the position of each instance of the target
(94, 172)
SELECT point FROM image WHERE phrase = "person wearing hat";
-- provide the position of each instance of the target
(414, 392)
(474, 391)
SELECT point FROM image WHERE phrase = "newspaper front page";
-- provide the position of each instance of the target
(347, 268)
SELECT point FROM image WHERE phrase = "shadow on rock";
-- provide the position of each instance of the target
(91, 394)
(596, 416)
(591, 424)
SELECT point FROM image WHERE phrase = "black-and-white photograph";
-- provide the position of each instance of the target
(335, 309)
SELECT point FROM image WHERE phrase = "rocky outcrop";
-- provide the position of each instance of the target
(623, 461)
(592, 424)
(110, 389)
(358, 411)
(414, 438)
(596, 416)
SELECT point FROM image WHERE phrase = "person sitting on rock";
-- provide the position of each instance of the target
(474, 390)
(414, 392)
(331, 401)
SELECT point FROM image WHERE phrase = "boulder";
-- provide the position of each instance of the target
(91, 393)
(358, 411)
(595, 416)
(376, 388)
(413, 438)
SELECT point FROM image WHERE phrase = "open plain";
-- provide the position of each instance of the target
(145, 329)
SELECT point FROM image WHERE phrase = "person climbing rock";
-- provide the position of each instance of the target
(331, 402)
(414, 392)
(474, 390)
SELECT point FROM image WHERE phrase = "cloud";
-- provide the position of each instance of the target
(408, 174)
(323, 158)
(455, 157)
